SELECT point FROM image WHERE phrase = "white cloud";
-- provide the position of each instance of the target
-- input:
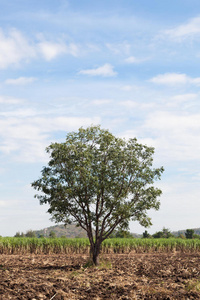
(3, 203)
(14, 48)
(166, 120)
(101, 101)
(130, 104)
(182, 101)
(121, 48)
(175, 135)
(61, 123)
(9, 100)
(131, 60)
(134, 60)
(20, 80)
(22, 112)
(51, 49)
(25, 138)
(105, 71)
(184, 97)
(127, 88)
(174, 79)
(189, 29)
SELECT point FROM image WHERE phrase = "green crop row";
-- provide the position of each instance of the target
(42, 245)
(150, 245)
(13, 245)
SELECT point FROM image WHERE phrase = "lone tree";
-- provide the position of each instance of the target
(100, 182)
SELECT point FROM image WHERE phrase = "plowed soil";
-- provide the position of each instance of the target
(136, 276)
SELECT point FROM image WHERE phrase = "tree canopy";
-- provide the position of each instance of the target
(189, 234)
(100, 182)
(165, 233)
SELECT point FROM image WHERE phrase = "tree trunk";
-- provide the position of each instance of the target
(94, 252)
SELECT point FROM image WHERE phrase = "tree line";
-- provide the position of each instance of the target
(32, 234)
(164, 233)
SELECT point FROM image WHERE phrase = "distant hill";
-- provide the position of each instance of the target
(72, 231)
(69, 231)
(177, 233)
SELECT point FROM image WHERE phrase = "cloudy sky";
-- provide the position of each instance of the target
(131, 66)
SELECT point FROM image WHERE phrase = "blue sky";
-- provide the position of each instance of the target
(131, 66)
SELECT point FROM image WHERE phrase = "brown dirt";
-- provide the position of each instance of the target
(136, 276)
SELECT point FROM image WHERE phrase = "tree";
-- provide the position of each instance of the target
(30, 233)
(100, 182)
(181, 236)
(189, 234)
(146, 235)
(18, 234)
(158, 235)
(165, 233)
(120, 233)
(196, 236)
(52, 234)
(41, 236)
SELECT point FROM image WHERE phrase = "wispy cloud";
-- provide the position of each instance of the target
(3, 203)
(175, 135)
(105, 71)
(120, 48)
(188, 30)
(174, 79)
(20, 80)
(134, 60)
(10, 100)
(21, 112)
(25, 134)
(14, 48)
(50, 50)
(184, 97)
(101, 101)
(130, 104)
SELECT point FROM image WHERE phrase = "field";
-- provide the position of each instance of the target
(81, 245)
(142, 272)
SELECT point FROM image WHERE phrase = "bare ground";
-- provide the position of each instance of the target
(133, 276)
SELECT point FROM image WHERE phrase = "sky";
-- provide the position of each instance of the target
(131, 66)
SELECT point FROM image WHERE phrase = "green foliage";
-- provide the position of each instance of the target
(189, 234)
(165, 233)
(30, 233)
(99, 182)
(182, 232)
(120, 233)
(18, 234)
(181, 236)
(52, 235)
(12, 245)
(41, 236)
(146, 235)
(196, 236)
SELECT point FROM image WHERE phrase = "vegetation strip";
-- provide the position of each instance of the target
(13, 245)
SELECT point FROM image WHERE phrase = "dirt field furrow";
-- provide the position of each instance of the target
(136, 276)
